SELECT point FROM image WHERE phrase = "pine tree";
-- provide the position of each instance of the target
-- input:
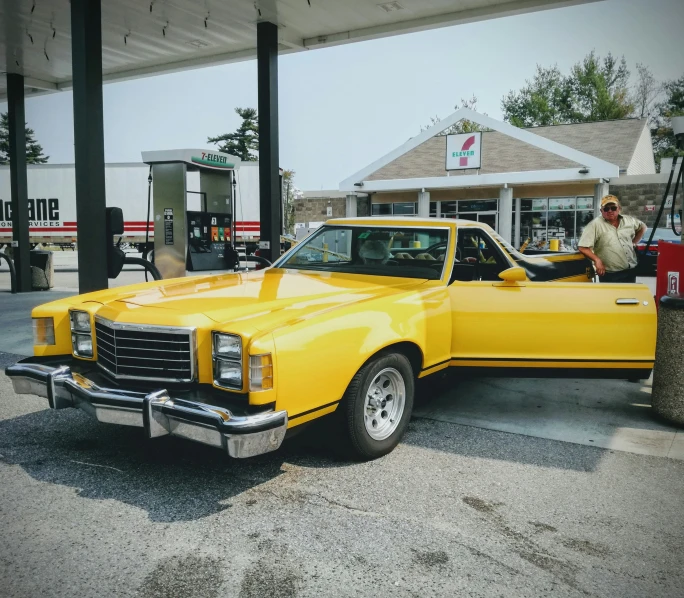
(34, 151)
(243, 143)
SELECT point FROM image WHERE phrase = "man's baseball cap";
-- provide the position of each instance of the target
(610, 199)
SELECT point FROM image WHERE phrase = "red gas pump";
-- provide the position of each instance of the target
(670, 273)
(670, 269)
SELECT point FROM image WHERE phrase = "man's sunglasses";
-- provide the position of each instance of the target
(610, 208)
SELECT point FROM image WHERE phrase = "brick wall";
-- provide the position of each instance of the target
(635, 197)
(315, 209)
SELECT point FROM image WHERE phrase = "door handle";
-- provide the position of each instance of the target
(627, 301)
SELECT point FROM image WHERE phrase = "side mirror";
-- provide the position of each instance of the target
(114, 226)
(515, 274)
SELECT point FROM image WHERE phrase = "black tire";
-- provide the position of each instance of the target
(360, 442)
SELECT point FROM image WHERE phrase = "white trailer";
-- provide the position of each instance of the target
(52, 202)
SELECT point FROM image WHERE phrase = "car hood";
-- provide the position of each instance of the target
(265, 297)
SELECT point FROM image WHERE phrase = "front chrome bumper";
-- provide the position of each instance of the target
(157, 412)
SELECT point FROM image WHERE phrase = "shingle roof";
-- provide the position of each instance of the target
(613, 141)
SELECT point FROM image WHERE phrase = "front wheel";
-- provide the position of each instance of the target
(379, 402)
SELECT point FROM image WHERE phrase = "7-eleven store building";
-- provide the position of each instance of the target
(537, 184)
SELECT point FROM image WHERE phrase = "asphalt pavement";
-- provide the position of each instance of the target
(89, 509)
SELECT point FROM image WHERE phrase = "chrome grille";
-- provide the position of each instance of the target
(145, 352)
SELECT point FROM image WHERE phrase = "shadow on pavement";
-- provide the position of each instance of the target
(177, 480)
(521, 415)
(171, 479)
(479, 443)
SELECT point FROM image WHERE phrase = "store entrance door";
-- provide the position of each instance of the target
(491, 218)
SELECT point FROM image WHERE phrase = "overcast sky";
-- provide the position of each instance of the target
(344, 107)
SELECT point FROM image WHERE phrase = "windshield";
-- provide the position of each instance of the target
(406, 252)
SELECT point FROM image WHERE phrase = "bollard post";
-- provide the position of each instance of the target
(667, 397)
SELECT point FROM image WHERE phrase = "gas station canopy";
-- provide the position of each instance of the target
(148, 37)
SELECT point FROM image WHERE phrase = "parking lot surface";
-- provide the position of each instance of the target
(500, 488)
(89, 509)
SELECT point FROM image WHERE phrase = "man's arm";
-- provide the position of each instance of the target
(598, 264)
(586, 247)
(640, 233)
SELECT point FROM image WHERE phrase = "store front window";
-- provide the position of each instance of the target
(381, 209)
(562, 218)
(541, 218)
(464, 208)
(477, 205)
(405, 209)
(449, 209)
(394, 209)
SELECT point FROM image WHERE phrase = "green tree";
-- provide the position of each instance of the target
(596, 89)
(462, 126)
(34, 151)
(543, 101)
(664, 142)
(289, 195)
(646, 92)
(600, 89)
(244, 142)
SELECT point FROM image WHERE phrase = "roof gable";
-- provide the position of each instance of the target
(523, 150)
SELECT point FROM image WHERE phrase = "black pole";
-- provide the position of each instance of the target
(233, 211)
(662, 205)
(269, 168)
(86, 66)
(19, 186)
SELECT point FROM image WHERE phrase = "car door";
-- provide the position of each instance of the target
(544, 328)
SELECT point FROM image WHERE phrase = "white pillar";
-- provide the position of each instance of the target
(600, 191)
(518, 204)
(351, 205)
(505, 212)
(423, 204)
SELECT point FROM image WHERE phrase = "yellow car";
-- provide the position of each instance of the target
(344, 322)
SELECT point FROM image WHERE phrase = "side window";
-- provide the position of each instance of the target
(478, 257)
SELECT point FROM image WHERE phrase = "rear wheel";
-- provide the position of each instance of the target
(379, 402)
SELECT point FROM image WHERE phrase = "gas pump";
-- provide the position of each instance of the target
(670, 270)
(193, 240)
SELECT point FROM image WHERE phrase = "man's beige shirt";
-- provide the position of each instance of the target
(612, 245)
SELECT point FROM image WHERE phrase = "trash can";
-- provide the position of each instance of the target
(667, 396)
(42, 270)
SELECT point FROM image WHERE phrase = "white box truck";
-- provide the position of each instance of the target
(52, 202)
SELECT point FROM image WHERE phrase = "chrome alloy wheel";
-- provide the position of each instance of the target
(384, 404)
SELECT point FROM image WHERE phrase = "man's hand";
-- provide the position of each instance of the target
(600, 268)
(598, 264)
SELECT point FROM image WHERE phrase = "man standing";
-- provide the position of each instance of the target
(609, 242)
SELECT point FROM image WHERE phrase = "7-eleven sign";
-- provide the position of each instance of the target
(464, 151)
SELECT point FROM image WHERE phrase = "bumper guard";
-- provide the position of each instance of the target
(157, 412)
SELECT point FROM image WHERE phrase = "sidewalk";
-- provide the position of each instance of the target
(66, 274)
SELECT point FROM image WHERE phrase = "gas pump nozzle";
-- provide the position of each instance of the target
(115, 256)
